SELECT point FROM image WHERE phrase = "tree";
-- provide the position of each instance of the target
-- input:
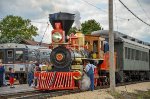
(72, 30)
(14, 28)
(90, 26)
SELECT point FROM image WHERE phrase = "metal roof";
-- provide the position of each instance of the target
(118, 36)
(12, 45)
(134, 43)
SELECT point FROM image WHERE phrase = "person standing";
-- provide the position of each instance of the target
(2, 70)
(31, 73)
(36, 69)
(11, 77)
(4, 78)
(89, 69)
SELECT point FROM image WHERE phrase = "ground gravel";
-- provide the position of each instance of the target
(104, 94)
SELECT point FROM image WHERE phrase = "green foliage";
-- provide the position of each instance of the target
(87, 27)
(90, 26)
(13, 29)
(72, 30)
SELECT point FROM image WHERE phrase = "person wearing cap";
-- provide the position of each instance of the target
(2, 70)
(89, 69)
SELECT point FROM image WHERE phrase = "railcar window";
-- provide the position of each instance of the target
(19, 56)
(126, 52)
(146, 56)
(133, 54)
(129, 53)
(140, 56)
(143, 56)
(137, 54)
(95, 46)
(10, 54)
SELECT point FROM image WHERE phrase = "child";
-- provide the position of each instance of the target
(11, 77)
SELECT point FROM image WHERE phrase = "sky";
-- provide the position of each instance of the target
(38, 12)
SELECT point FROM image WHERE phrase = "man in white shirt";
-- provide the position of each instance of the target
(89, 69)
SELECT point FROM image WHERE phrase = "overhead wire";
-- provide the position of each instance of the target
(94, 6)
(133, 13)
(143, 9)
(104, 10)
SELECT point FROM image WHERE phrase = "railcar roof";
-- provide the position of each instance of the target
(15, 45)
(12, 45)
(120, 37)
(134, 43)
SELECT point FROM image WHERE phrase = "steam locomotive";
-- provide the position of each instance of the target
(68, 54)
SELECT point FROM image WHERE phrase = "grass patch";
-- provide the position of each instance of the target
(126, 95)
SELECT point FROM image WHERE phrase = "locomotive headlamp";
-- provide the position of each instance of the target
(57, 37)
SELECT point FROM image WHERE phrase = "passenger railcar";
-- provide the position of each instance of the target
(18, 56)
(133, 56)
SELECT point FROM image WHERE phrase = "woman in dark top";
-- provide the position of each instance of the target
(1, 75)
(2, 70)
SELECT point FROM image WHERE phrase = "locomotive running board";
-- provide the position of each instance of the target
(56, 80)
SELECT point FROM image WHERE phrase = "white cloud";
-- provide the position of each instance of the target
(38, 10)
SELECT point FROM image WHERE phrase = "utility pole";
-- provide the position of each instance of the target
(111, 48)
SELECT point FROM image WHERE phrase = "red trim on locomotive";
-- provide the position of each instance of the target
(105, 64)
(56, 80)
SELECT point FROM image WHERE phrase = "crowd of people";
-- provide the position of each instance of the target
(35, 67)
(2, 76)
(32, 68)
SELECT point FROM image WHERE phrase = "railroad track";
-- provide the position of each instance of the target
(18, 94)
(49, 94)
(37, 94)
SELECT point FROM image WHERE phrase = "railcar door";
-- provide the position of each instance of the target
(9, 56)
(2, 55)
(19, 56)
